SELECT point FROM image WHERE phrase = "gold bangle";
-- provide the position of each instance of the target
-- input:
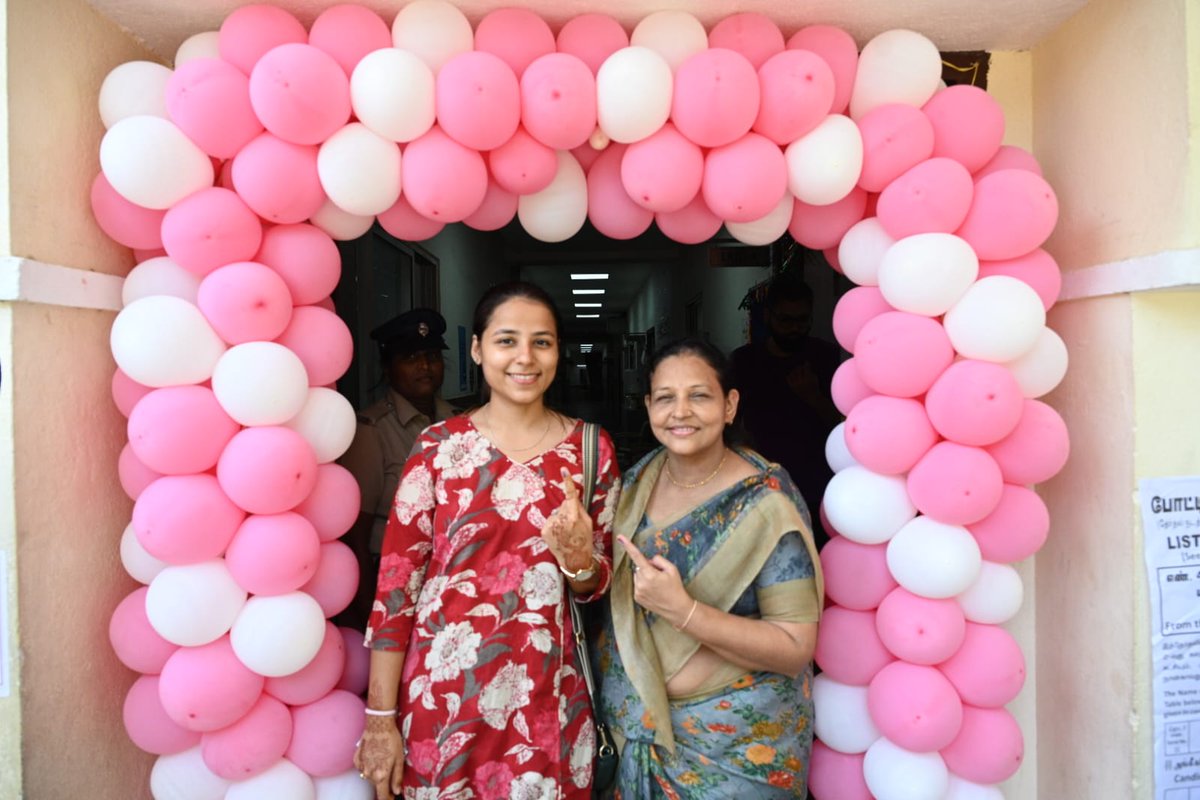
(695, 603)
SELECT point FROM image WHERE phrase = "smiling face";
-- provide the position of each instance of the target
(518, 351)
(688, 410)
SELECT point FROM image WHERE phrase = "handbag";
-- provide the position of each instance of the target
(604, 768)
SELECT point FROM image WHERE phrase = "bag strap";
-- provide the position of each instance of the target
(591, 458)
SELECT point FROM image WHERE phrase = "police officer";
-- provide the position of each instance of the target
(410, 352)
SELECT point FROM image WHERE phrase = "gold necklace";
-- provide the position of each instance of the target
(671, 478)
(520, 449)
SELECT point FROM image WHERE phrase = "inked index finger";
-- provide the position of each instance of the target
(572, 494)
(635, 555)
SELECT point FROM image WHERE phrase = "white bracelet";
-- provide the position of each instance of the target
(379, 712)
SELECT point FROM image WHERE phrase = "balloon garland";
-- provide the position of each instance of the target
(232, 175)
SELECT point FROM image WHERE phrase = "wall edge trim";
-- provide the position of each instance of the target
(24, 280)
(1167, 269)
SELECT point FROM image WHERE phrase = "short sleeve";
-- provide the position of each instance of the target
(786, 585)
(364, 460)
(602, 510)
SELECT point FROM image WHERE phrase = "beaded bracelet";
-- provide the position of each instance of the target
(379, 712)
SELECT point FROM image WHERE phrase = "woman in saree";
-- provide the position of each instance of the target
(716, 593)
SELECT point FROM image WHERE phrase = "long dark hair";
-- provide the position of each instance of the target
(497, 296)
(711, 355)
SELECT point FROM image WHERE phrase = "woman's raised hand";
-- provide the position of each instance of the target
(568, 530)
(380, 756)
(657, 586)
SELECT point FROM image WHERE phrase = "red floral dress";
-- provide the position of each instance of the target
(492, 705)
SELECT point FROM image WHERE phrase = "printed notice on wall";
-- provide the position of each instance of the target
(5, 663)
(1171, 524)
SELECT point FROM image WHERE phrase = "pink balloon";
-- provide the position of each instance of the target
(896, 137)
(478, 100)
(839, 51)
(745, 180)
(305, 257)
(932, 197)
(902, 354)
(324, 734)
(178, 430)
(523, 165)
(610, 208)
(836, 776)
(134, 640)
(206, 688)
(251, 745)
(348, 32)
(333, 504)
(915, 707)
(444, 180)
(358, 662)
(1016, 529)
(955, 484)
(322, 341)
(974, 402)
(558, 101)
(918, 629)
(249, 32)
(123, 221)
(147, 723)
(278, 180)
(336, 580)
(988, 670)
(888, 435)
(209, 229)
(855, 309)
(989, 747)
(1010, 157)
(1036, 449)
(185, 519)
(498, 208)
(245, 302)
(267, 469)
(692, 224)
(796, 94)
(209, 99)
(856, 575)
(848, 648)
(1012, 213)
(273, 553)
(517, 36)
(592, 38)
(716, 99)
(300, 93)
(318, 678)
(968, 125)
(662, 172)
(133, 474)
(822, 227)
(1036, 268)
(847, 388)
(752, 35)
(140, 255)
(126, 392)
(831, 253)
(403, 222)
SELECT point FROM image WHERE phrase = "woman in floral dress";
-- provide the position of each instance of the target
(474, 689)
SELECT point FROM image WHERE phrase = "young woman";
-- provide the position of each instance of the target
(715, 600)
(474, 690)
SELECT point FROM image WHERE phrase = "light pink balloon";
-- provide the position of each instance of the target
(517, 36)
(179, 430)
(836, 776)
(822, 227)
(855, 309)
(915, 707)
(185, 519)
(1016, 529)
(888, 435)
(348, 32)
(610, 208)
(498, 208)
(245, 302)
(1036, 449)
(847, 388)
(134, 640)
(249, 32)
(336, 580)
(478, 101)
(273, 553)
(974, 402)
(523, 165)
(443, 179)
(902, 354)
(692, 224)
(752, 35)
(558, 101)
(896, 137)
(206, 688)
(333, 504)
(745, 180)
(210, 228)
(856, 575)
(1013, 212)
(796, 94)
(988, 670)
(126, 392)
(716, 98)
(318, 678)
(322, 341)
(1036, 268)
(968, 125)
(1010, 157)
(989, 747)
(147, 723)
(133, 474)
(932, 197)
(251, 745)
(300, 93)
(403, 222)
(123, 221)
(918, 629)
(209, 99)
(278, 180)
(305, 257)
(358, 662)
(955, 484)
(267, 469)
(839, 50)
(848, 648)
(662, 172)
(592, 38)
(324, 734)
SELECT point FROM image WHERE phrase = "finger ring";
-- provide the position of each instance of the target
(635, 569)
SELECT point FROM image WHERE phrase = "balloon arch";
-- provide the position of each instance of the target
(232, 175)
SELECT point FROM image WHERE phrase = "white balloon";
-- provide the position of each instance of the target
(135, 88)
(557, 212)
(674, 35)
(998, 319)
(434, 30)
(962, 789)
(151, 163)
(327, 422)
(897, 66)
(1041, 369)
(278, 635)
(842, 720)
(206, 44)
(194, 604)
(340, 224)
(633, 94)
(824, 164)
(837, 454)
(927, 273)
(160, 275)
(392, 93)
(164, 341)
(765, 229)
(185, 776)
(260, 383)
(360, 170)
(284, 781)
(347, 786)
(995, 596)
(862, 250)
(933, 559)
(893, 773)
(867, 507)
(140, 565)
